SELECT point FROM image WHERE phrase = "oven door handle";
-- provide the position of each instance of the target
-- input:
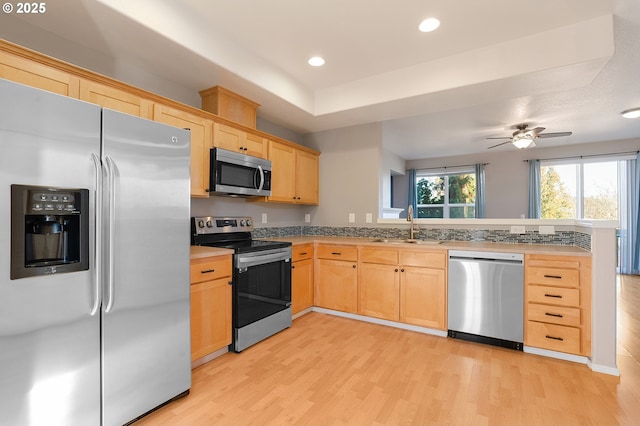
(242, 263)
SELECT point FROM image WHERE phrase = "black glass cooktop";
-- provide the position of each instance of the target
(247, 246)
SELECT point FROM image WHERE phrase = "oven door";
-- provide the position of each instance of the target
(233, 173)
(262, 285)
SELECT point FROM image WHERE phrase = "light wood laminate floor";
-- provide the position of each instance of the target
(326, 370)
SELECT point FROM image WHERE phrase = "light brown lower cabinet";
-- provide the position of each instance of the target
(558, 303)
(301, 278)
(210, 305)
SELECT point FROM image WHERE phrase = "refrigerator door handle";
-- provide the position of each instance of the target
(98, 235)
(111, 188)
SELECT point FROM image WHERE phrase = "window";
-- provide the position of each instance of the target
(579, 190)
(446, 193)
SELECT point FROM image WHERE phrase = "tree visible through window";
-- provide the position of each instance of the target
(442, 195)
(585, 190)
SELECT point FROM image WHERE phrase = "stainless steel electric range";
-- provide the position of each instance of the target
(261, 277)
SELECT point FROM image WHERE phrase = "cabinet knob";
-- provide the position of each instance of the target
(396, 270)
(354, 266)
(293, 266)
(402, 270)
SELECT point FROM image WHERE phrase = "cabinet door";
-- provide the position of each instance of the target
(301, 285)
(115, 99)
(283, 185)
(423, 297)
(254, 145)
(210, 317)
(227, 137)
(34, 74)
(201, 129)
(306, 177)
(336, 285)
(379, 291)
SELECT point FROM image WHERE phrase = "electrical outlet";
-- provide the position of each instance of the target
(369, 218)
(264, 218)
(307, 218)
(352, 218)
(546, 230)
(518, 229)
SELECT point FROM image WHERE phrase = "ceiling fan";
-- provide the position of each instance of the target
(523, 138)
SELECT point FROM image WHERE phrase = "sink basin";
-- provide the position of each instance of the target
(405, 241)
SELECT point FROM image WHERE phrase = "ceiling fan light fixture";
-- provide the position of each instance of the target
(523, 141)
(428, 25)
(631, 113)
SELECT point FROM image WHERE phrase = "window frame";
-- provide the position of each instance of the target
(445, 173)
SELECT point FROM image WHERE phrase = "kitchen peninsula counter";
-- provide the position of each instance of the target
(446, 245)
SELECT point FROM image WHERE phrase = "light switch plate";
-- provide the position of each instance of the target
(369, 218)
(518, 229)
(307, 218)
(352, 217)
(264, 218)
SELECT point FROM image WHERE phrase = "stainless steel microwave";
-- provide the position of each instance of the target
(239, 175)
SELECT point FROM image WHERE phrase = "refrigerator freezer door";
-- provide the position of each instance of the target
(49, 342)
(145, 321)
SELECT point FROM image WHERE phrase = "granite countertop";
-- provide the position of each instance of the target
(200, 252)
(445, 245)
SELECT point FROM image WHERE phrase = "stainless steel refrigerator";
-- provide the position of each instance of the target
(94, 262)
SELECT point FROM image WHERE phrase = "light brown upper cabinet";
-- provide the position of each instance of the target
(115, 99)
(35, 74)
(294, 174)
(238, 140)
(201, 129)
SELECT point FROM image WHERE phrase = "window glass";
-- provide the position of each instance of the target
(581, 190)
(441, 195)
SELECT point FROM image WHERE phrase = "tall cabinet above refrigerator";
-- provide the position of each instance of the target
(94, 262)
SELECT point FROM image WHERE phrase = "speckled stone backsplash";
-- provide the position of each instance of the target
(563, 238)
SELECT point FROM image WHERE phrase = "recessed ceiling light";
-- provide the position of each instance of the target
(316, 61)
(429, 25)
(631, 113)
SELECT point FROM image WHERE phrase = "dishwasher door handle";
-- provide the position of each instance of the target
(485, 260)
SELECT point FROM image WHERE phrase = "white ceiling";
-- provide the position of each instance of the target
(569, 65)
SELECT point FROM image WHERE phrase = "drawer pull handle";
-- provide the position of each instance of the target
(554, 338)
(303, 253)
(557, 296)
(337, 253)
(207, 271)
(556, 277)
(554, 315)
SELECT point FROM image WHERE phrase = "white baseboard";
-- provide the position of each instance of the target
(388, 323)
(613, 371)
(213, 355)
(301, 313)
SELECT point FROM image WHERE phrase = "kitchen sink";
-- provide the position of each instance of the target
(405, 241)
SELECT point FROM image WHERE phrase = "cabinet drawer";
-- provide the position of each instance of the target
(301, 252)
(554, 337)
(384, 256)
(210, 269)
(429, 259)
(553, 276)
(553, 295)
(338, 252)
(554, 314)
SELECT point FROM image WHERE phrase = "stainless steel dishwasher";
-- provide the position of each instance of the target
(486, 297)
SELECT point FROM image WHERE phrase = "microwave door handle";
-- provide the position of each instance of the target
(261, 178)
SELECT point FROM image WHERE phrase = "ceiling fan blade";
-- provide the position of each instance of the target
(503, 143)
(554, 135)
(501, 137)
(535, 132)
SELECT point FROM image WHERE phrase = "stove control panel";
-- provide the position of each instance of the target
(218, 225)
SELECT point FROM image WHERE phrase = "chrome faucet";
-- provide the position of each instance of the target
(410, 219)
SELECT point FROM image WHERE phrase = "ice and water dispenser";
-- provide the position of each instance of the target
(49, 230)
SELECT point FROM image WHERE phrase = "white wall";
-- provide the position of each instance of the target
(349, 173)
